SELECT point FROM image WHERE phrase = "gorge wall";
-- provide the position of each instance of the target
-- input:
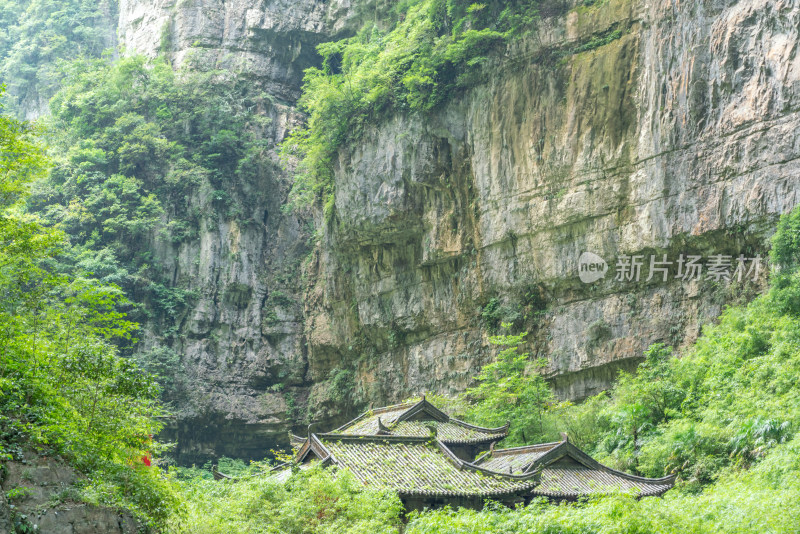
(620, 128)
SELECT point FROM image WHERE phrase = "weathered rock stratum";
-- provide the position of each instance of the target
(39, 494)
(676, 136)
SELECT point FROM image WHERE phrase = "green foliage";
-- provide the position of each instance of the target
(314, 501)
(338, 393)
(530, 303)
(785, 251)
(63, 386)
(785, 255)
(723, 417)
(495, 313)
(134, 137)
(143, 155)
(21, 158)
(725, 403)
(511, 388)
(764, 499)
(36, 35)
(163, 363)
(18, 493)
(598, 41)
(433, 49)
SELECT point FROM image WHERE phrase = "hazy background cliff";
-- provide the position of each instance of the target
(619, 127)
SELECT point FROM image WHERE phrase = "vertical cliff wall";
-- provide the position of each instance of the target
(242, 376)
(620, 128)
(623, 128)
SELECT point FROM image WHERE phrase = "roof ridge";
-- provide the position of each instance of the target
(391, 408)
(373, 437)
(487, 430)
(455, 460)
(376, 411)
(511, 450)
(588, 461)
(423, 405)
(523, 476)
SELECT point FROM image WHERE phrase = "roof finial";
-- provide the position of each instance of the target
(309, 430)
(423, 397)
(491, 447)
(564, 436)
(382, 429)
(510, 472)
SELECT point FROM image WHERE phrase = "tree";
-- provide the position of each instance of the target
(63, 386)
(512, 388)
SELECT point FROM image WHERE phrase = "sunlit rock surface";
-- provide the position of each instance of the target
(678, 137)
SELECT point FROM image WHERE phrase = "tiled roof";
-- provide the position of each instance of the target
(367, 422)
(395, 447)
(517, 459)
(577, 481)
(450, 432)
(416, 419)
(568, 472)
(417, 466)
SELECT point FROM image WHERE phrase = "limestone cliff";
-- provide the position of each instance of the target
(621, 128)
(674, 138)
(40, 494)
(243, 372)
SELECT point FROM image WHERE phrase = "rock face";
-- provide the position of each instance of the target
(37, 497)
(272, 41)
(674, 138)
(627, 128)
(243, 372)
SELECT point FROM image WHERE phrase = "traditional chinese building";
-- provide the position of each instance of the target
(568, 473)
(422, 470)
(431, 460)
(423, 419)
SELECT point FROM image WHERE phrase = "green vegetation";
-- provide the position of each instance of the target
(722, 406)
(37, 36)
(136, 142)
(723, 417)
(531, 302)
(764, 499)
(143, 155)
(511, 388)
(432, 49)
(598, 41)
(316, 501)
(63, 387)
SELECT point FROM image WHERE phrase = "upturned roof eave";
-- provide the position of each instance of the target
(565, 448)
(521, 489)
(576, 495)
